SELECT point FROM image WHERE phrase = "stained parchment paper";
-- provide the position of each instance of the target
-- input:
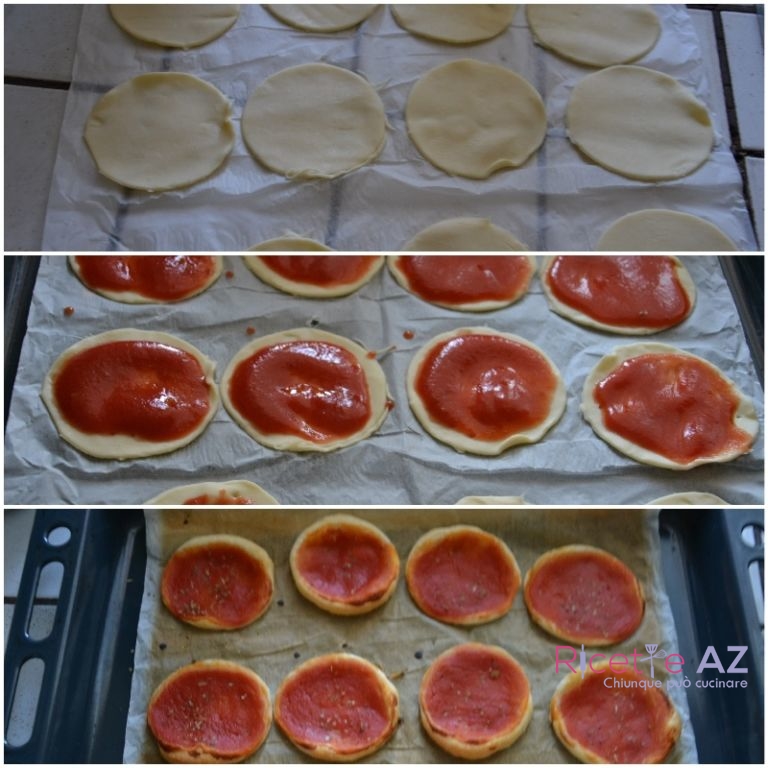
(399, 464)
(397, 637)
(556, 201)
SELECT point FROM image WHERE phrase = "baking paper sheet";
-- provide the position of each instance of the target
(397, 637)
(556, 201)
(399, 464)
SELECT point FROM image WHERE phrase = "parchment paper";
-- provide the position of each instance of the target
(557, 201)
(400, 464)
(397, 637)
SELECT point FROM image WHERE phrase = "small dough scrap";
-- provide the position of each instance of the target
(688, 499)
(661, 231)
(464, 234)
(160, 131)
(289, 244)
(175, 26)
(470, 118)
(639, 123)
(227, 493)
(595, 35)
(314, 121)
(459, 24)
(322, 17)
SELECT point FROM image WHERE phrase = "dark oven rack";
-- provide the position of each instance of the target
(88, 655)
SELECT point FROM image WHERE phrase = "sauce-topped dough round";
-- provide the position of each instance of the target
(337, 707)
(129, 393)
(621, 294)
(231, 492)
(467, 283)
(305, 390)
(470, 118)
(218, 582)
(315, 276)
(584, 595)
(475, 700)
(345, 565)
(482, 391)
(211, 711)
(617, 724)
(666, 407)
(462, 575)
(147, 279)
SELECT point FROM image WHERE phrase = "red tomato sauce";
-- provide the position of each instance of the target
(312, 389)
(628, 291)
(162, 278)
(223, 497)
(322, 271)
(486, 387)
(144, 389)
(673, 405)
(466, 279)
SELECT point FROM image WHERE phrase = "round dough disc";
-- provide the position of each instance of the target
(228, 493)
(595, 35)
(639, 123)
(464, 234)
(317, 17)
(689, 499)
(175, 26)
(459, 24)
(660, 230)
(160, 131)
(314, 121)
(470, 118)
(289, 244)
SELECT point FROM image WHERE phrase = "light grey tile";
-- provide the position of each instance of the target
(32, 121)
(17, 526)
(744, 46)
(756, 177)
(40, 40)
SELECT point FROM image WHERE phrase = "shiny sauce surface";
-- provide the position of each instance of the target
(144, 389)
(486, 387)
(627, 291)
(322, 271)
(673, 405)
(162, 278)
(466, 279)
(314, 390)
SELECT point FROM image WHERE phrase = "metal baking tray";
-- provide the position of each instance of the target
(88, 656)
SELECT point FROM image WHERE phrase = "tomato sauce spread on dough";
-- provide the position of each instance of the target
(340, 703)
(673, 405)
(587, 594)
(223, 497)
(486, 387)
(345, 563)
(217, 708)
(322, 271)
(463, 574)
(475, 693)
(621, 725)
(466, 279)
(162, 278)
(218, 581)
(145, 389)
(628, 291)
(312, 389)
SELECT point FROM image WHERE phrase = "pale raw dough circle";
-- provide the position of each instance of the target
(235, 488)
(322, 17)
(175, 26)
(122, 446)
(744, 417)
(314, 121)
(464, 234)
(373, 373)
(459, 24)
(289, 244)
(639, 123)
(595, 35)
(160, 131)
(662, 231)
(470, 118)
(689, 499)
(458, 440)
(502, 501)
